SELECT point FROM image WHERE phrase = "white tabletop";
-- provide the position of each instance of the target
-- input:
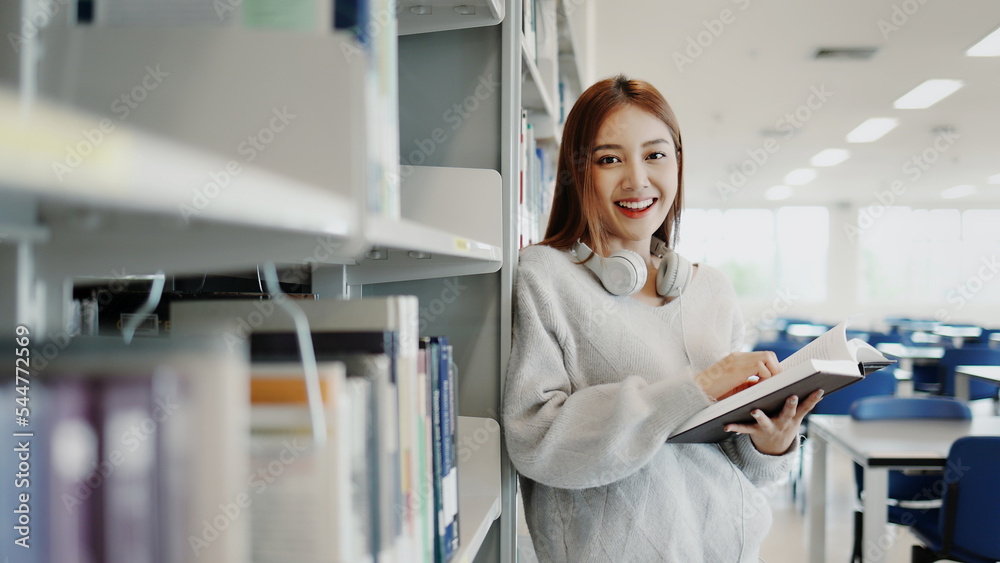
(911, 352)
(899, 443)
(959, 331)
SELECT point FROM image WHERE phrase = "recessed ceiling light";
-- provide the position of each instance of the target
(829, 157)
(465, 10)
(775, 193)
(872, 129)
(988, 47)
(927, 94)
(420, 10)
(800, 176)
(994, 179)
(958, 191)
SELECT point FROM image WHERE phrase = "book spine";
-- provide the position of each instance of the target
(74, 525)
(130, 506)
(438, 458)
(451, 486)
(447, 449)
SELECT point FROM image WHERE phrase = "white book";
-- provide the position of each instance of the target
(301, 492)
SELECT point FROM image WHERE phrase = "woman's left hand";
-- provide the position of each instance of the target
(773, 436)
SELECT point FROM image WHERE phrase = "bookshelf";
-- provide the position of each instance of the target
(416, 16)
(302, 198)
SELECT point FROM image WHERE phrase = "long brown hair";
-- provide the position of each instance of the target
(575, 205)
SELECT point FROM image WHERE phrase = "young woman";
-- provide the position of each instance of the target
(606, 363)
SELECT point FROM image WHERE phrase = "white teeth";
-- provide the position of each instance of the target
(636, 204)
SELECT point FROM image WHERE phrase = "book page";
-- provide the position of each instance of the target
(832, 345)
(865, 352)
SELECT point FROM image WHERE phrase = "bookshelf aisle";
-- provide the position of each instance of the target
(220, 165)
(130, 148)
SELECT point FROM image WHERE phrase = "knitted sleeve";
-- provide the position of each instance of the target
(574, 438)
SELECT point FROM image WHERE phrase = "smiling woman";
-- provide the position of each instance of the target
(599, 376)
(601, 120)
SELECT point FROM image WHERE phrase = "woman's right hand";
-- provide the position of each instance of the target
(731, 374)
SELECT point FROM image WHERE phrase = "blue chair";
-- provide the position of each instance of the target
(904, 489)
(877, 383)
(966, 528)
(926, 377)
(954, 357)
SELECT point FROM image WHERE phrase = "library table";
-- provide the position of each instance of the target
(989, 374)
(958, 334)
(909, 356)
(879, 446)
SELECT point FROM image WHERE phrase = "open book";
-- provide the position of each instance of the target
(830, 362)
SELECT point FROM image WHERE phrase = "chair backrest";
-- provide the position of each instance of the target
(877, 383)
(972, 467)
(885, 408)
(974, 356)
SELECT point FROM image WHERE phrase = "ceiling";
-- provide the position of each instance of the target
(733, 98)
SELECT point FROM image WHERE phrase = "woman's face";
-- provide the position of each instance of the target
(634, 167)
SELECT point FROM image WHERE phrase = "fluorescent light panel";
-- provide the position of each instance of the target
(800, 176)
(988, 47)
(927, 94)
(958, 191)
(775, 193)
(829, 157)
(872, 129)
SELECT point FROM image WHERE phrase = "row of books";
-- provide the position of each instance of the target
(537, 185)
(401, 466)
(126, 454)
(201, 446)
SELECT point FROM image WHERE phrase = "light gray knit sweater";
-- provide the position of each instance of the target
(594, 386)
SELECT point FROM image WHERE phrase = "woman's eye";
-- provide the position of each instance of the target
(607, 160)
(656, 155)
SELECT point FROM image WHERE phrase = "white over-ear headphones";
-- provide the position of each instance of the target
(624, 272)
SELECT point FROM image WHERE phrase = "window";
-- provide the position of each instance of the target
(929, 256)
(761, 250)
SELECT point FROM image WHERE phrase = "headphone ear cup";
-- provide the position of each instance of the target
(623, 272)
(674, 274)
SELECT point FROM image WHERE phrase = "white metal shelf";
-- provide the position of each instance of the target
(450, 227)
(405, 250)
(61, 155)
(425, 16)
(148, 203)
(478, 483)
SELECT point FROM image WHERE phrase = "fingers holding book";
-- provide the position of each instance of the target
(774, 435)
(736, 372)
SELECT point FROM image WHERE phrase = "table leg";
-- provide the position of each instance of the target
(961, 386)
(905, 388)
(876, 536)
(817, 500)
